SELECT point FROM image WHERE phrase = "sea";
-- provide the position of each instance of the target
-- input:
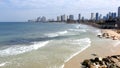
(43, 45)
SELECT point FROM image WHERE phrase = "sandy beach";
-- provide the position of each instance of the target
(101, 48)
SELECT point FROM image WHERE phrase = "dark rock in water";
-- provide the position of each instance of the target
(108, 62)
(96, 59)
(114, 60)
(113, 66)
(101, 63)
(86, 63)
(100, 36)
(92, 60)
(114, 56)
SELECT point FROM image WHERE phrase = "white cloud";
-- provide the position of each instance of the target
(36, 3)
(67, 4)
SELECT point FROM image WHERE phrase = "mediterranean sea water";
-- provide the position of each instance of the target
(42, 45)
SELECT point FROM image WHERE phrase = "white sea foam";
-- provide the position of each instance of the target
(78, 26)
(62, 32)
(3, 64)
(22, 49)
(56, 33)
(52, 35)
(87, 41)
(62, 66)
(78, 30)
(81, 26)
(84, 41)
(98, 32)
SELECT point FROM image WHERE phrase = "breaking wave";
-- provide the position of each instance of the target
(3, 64)
(77, 30)
(56, 33)
(22, 49)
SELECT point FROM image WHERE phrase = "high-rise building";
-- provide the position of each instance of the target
(71, 17)
(79, 17)
(104, 18)
(82, 19)
(63, 18)
(110, 14)
(58, 18)
(43, 19)
(115, 14)
(38, 19)
(67, 17)
(100, 16)
(92, 16)
(119, 12)
(97, 16)
(107, 16)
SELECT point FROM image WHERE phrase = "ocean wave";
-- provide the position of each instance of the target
(62, 66)
(78, 26)
(78, 30)
(3, 64)
(56, 33)
(97, 32)
(22, 49)
(81, 26)
(85, 41)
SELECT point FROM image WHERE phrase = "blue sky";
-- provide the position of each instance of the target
(22, 10)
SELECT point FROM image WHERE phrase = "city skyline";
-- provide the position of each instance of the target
(17, 10)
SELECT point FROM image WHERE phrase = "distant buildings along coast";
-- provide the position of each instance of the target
(111, 19)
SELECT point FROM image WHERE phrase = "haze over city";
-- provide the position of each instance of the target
(22, 10)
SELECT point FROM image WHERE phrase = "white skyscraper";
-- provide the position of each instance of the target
(38, 19)
(63, 18)
(58, 18)
(71, 17)
(119, 12)
(92, 16)
(43, 19)
(79, 17)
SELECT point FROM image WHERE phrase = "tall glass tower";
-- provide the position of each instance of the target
(119, 12)
(97, 16)
(79, 17)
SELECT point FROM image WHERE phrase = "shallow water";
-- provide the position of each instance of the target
(42, 45)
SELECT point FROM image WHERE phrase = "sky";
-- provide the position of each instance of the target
(22, 10)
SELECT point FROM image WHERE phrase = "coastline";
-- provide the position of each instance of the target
(101, 48)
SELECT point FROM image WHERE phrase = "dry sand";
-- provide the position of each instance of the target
(111, 33)
(100, 48)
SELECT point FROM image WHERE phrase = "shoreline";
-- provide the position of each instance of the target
(113, 49)
(77, 53)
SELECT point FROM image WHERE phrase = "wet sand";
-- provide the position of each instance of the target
(101, 48)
